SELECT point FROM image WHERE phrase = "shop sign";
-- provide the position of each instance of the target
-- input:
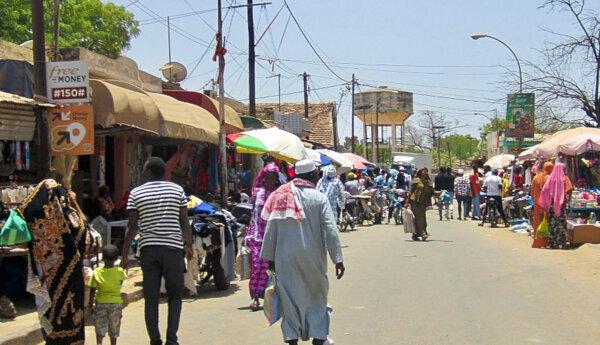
(71, 130)
(520, 115)
(68, 82)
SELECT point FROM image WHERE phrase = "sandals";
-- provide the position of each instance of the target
(255, 306)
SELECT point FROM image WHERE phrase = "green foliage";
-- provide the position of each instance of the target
(104, 28)
(456, 150)
(495, 125)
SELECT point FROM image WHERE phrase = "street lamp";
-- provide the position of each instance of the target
(478, 36)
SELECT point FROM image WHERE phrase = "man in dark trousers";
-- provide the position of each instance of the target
(159, 209)
(444, 182)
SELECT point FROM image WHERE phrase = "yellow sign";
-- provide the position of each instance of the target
(71, 130)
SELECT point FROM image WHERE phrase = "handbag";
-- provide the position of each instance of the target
(409, 220)
(243, 267)
(15, 230)
(272, 302)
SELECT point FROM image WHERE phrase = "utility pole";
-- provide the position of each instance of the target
(251, 61)
(305, 78)
(335, 132)
(352, 135)
(222, 148)
(449, 154)
(39, 84)
(56, 20)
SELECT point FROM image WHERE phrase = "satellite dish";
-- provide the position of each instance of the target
(174, 72)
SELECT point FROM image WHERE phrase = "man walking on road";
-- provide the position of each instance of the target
(475, 180)
(462, 188)
(300, 231)
(159, 208)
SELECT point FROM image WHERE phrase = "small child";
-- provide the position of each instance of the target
(106, 282)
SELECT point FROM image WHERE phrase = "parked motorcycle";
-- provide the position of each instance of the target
(492, 212)
(215, 246)
(347, 216)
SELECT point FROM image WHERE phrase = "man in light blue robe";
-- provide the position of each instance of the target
(297, 248)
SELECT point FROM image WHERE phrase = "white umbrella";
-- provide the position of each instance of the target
(278, 143)
(344, 163)
(500, 161)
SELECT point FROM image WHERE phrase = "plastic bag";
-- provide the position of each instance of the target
(15, 230)
(272, 303)
(243, 267)
(543, 229)
(409, 221)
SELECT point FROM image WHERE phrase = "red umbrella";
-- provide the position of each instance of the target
(358, 161)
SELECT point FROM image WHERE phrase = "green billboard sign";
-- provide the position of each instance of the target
(520, 115)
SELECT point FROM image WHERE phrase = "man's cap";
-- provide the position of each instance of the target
(461, 172)
(305, 166)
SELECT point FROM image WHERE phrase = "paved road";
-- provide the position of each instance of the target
(466, 285)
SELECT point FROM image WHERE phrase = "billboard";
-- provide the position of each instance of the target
(520, 115)
(71, 130)
(68, 82)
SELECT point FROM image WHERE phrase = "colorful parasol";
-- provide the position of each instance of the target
(358, 161)
(318, 157)
(274, 141)
(342, 162)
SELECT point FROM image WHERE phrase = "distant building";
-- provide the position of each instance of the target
(319, 127)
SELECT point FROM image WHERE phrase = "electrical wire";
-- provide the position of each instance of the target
(310, 43)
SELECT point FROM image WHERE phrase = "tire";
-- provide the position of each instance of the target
(398, 217)
(493, 218)
(219, 277)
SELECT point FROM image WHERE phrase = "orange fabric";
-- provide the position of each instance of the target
(536, 190)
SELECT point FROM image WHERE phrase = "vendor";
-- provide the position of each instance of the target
(103, 204)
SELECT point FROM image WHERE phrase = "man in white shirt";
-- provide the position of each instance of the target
(493, 187)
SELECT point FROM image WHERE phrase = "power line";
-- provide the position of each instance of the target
(296, 92)
(310, 44)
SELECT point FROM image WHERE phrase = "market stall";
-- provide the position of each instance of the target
(579, 149)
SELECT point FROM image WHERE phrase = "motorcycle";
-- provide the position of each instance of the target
(368, 206)
(347, 214)
(492, 212)
(396, 200)
(215, 248)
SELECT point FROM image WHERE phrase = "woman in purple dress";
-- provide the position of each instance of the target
(267, 181)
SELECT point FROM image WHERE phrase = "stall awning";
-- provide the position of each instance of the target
(233, 122)
(17, 117)
(119, 103)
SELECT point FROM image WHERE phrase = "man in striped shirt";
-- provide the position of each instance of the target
(159, 209)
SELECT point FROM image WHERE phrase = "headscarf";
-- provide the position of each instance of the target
(326, 183)
(260, 179)
(553, 193)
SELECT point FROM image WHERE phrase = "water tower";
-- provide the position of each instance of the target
(380, 109)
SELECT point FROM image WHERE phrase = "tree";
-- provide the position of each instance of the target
(104, 28)
(555, 79)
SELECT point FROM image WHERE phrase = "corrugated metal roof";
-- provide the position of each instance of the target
(6, 97)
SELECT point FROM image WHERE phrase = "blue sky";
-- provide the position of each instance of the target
(418, 46)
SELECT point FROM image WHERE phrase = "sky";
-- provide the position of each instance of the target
(418, 46)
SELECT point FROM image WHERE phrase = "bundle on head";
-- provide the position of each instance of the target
(63, 167)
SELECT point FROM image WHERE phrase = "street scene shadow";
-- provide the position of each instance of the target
(444, 241)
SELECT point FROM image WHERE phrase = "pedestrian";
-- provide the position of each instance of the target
(462, 189)
(159, 209)
(493, 188)
(554, 198)
(419, 199)
(536, 190)
(443, 184)
(106, 286)
(267, 182)
(475, 180)
(352, 185)
(332, 188)
(301, 230)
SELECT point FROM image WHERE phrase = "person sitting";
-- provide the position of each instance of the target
(103, 204)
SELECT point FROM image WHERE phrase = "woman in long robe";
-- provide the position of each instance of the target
(554, 198)
(331, 186)
(538, 211)
(60, 239)
(266, 182)
(421, 192)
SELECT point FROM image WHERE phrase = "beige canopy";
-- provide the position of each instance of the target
(120, 103)
(570, 142)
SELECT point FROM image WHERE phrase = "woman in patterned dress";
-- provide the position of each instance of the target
(267, 181)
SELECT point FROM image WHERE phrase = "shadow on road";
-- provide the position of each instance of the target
(445, 241)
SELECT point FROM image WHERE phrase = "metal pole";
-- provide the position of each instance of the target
(222, 147)
(514, 55)
(352, 135)
(169, 38)
(305, 78)
(279, 90)
(335, 132)
(39, 84)
(251, 61)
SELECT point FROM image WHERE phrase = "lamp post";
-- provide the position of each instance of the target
(478, 36)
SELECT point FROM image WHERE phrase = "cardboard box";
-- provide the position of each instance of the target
(586, 233)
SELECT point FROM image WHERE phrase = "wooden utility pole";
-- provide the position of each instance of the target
(251, 61)
(352, 135)
(222, 148)
(305, 78)
(39, 85)
(278, 88)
